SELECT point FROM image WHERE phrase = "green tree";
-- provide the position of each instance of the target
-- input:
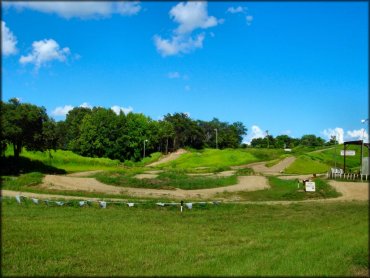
(71, 127)
(23, 125)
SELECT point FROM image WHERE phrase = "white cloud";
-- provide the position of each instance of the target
(85, 105)
(62, 110)
(82, 10)
(343, 136)
(178, 44)
(117, 109)
(236, 10)
(9, 41)
(128, 8)
(256, 132)
(190, 16)
(173, 75)
(357, 134)
(249, 19)
(338, 132)
(45, 51)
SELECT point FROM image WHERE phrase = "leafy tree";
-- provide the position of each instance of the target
(72, 124)
(98, 133)
(23, 125)
(312, 140)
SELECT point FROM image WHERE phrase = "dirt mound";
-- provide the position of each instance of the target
(168, 157)
(260, 167)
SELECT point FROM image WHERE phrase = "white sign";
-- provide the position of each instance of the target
(288, 150)
(349, 153)
(310, 186)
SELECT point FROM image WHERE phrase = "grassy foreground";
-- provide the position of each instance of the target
(301, 239)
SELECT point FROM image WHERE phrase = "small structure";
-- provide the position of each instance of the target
(357, 142)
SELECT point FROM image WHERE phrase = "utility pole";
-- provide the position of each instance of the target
(362, 144)
(144, 148)
(216, 138)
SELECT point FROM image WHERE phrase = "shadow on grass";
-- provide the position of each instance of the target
(10, 166)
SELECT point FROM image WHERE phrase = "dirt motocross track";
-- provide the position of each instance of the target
(81, 182)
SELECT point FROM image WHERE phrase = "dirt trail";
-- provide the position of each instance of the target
(245, 183)
(260, 167)
(169, 157)
(84, 174)
(352, 191)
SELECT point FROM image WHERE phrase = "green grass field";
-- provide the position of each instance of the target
(225, 240)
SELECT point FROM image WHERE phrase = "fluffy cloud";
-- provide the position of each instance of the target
(178, 44)
(117, 109)
(62, 110)
(82, 10)
(9, 41)
(256, 132)
(349, 135)
(358, 134)
(85, 105)
(338, 132)
(236, 10)
(45, 51)
(190, 16)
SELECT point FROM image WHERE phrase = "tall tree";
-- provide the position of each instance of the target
(22, 125)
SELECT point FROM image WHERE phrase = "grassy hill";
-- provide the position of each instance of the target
(217, 160)
(311, 161)
(67, 161)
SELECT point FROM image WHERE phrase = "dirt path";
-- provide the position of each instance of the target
(260, 167)
(84, 174)
(54, 182)
(352, 191)
(169, 157)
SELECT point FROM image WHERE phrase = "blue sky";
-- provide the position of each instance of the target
(287, 67)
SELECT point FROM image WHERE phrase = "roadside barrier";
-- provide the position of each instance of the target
(347, 176)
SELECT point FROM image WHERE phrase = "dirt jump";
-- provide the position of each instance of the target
(260, 167)
(168, 157)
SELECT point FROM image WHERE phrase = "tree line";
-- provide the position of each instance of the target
(285, 141)
(100, 132)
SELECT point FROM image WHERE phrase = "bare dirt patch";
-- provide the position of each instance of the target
(260, 167)
(169, 157)
(84, 174)
(245, 183)
(145, 176)
(352, 190)
(220, 174)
